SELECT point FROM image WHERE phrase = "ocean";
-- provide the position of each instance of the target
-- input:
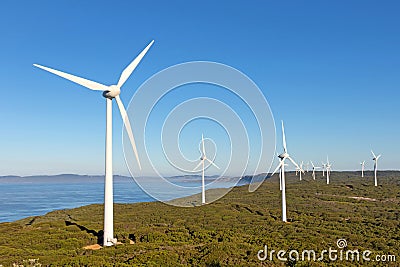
(22, 197)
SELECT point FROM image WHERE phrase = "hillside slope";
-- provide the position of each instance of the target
(229, 231)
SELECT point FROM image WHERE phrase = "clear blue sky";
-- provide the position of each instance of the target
(329, 69)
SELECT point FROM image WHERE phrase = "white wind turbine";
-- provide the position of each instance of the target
(362, 168)
(109, 92)
(375, 159)
(313, 169)
(328, 169)
(281, 167)
(203, 158)
(323, 168)
(300, 169)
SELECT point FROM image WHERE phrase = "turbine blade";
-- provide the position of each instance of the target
(201, 161)
(294, 163)
(81, 81)
(284, 138)
(202, 144)
(215, 165)
(373, 154)
(128, 127)
(277, 168)
(131, 67)
(378, 157)
(312, 164)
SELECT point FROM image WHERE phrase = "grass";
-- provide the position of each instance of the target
(228, 232)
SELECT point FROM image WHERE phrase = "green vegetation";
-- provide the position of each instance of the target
(228, 232)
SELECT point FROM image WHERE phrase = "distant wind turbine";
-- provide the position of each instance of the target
(328, 169)
(109, 92)
(323, 168)
(300, 169)
(203, 158)
(375, 159)
(362, 168)
(313, 169)
(281, 167)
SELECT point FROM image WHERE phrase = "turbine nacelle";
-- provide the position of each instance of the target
(114, 90)
(284, 155)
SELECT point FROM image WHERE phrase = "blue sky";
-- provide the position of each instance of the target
(329, 69)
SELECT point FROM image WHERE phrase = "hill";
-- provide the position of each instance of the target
(228, 232)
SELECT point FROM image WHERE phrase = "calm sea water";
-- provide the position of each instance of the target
(24, 197)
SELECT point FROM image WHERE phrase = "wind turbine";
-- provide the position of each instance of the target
(323, 168)
(328, 169)
(203, 158)
(281, 166)
(300, 169)
(375, 159)
(362, 168)
(109, 92)
(313, 169)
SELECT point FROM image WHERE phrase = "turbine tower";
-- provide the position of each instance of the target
(203, 158)
(281, 167)
(313, 169)
(109, 92)
(362, 168)
(375, 159)
(280, 176)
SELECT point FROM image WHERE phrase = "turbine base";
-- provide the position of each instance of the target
(110, 242)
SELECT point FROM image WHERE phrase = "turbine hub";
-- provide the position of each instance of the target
(112, 92)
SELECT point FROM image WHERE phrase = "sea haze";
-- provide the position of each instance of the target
(22, 197)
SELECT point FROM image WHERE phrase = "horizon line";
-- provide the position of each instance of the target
(171, 175)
